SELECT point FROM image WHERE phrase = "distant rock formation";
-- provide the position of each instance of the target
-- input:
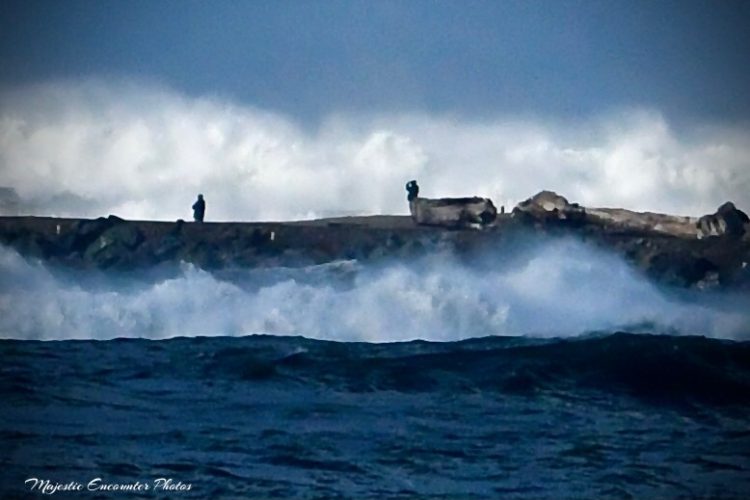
(472, 212)
(10, 202)
(548, 206)
(727, 221)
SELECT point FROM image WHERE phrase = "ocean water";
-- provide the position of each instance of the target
(556, 373)
(613, 416)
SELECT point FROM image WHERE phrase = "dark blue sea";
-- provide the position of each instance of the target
(606, 416)
(562, 373)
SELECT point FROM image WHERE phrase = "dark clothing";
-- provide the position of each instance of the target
(199, 210)
(413, 189)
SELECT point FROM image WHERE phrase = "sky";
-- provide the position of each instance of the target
(292, 109)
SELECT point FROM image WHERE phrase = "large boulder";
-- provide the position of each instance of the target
(472, 212)
(83, 233)
(727, 221)
(116, 243)
(548, 206)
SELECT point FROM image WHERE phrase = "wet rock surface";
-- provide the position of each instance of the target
(548, 207)
(727, 221)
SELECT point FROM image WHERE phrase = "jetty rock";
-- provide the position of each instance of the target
(703, 253)
(728, 220)
(707, 252)
(474, 212)
(549, 207)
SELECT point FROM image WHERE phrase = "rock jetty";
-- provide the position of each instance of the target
(706, 252)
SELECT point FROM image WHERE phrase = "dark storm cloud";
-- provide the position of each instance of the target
(688, 59)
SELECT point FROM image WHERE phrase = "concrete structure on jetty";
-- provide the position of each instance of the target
(455, 213)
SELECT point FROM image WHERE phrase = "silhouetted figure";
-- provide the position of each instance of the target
(199, 209)
(413, 189)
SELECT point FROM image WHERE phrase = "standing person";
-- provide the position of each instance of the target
(413, 193)
(413, 189)
(199, 209)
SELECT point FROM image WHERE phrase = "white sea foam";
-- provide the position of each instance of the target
(561, 288)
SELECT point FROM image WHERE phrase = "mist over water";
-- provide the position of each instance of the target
(556, 288)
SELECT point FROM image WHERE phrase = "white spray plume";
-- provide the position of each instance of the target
(559, 288)
(90, 148)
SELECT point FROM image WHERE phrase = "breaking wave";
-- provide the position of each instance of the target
(560, 288)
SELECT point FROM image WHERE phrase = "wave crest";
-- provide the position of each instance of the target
(560, 288)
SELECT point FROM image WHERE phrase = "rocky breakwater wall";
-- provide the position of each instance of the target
(114, 243)
(705, 252)
(679, 251)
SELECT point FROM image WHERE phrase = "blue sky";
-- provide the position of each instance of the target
(296, 109)
(689, 59)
